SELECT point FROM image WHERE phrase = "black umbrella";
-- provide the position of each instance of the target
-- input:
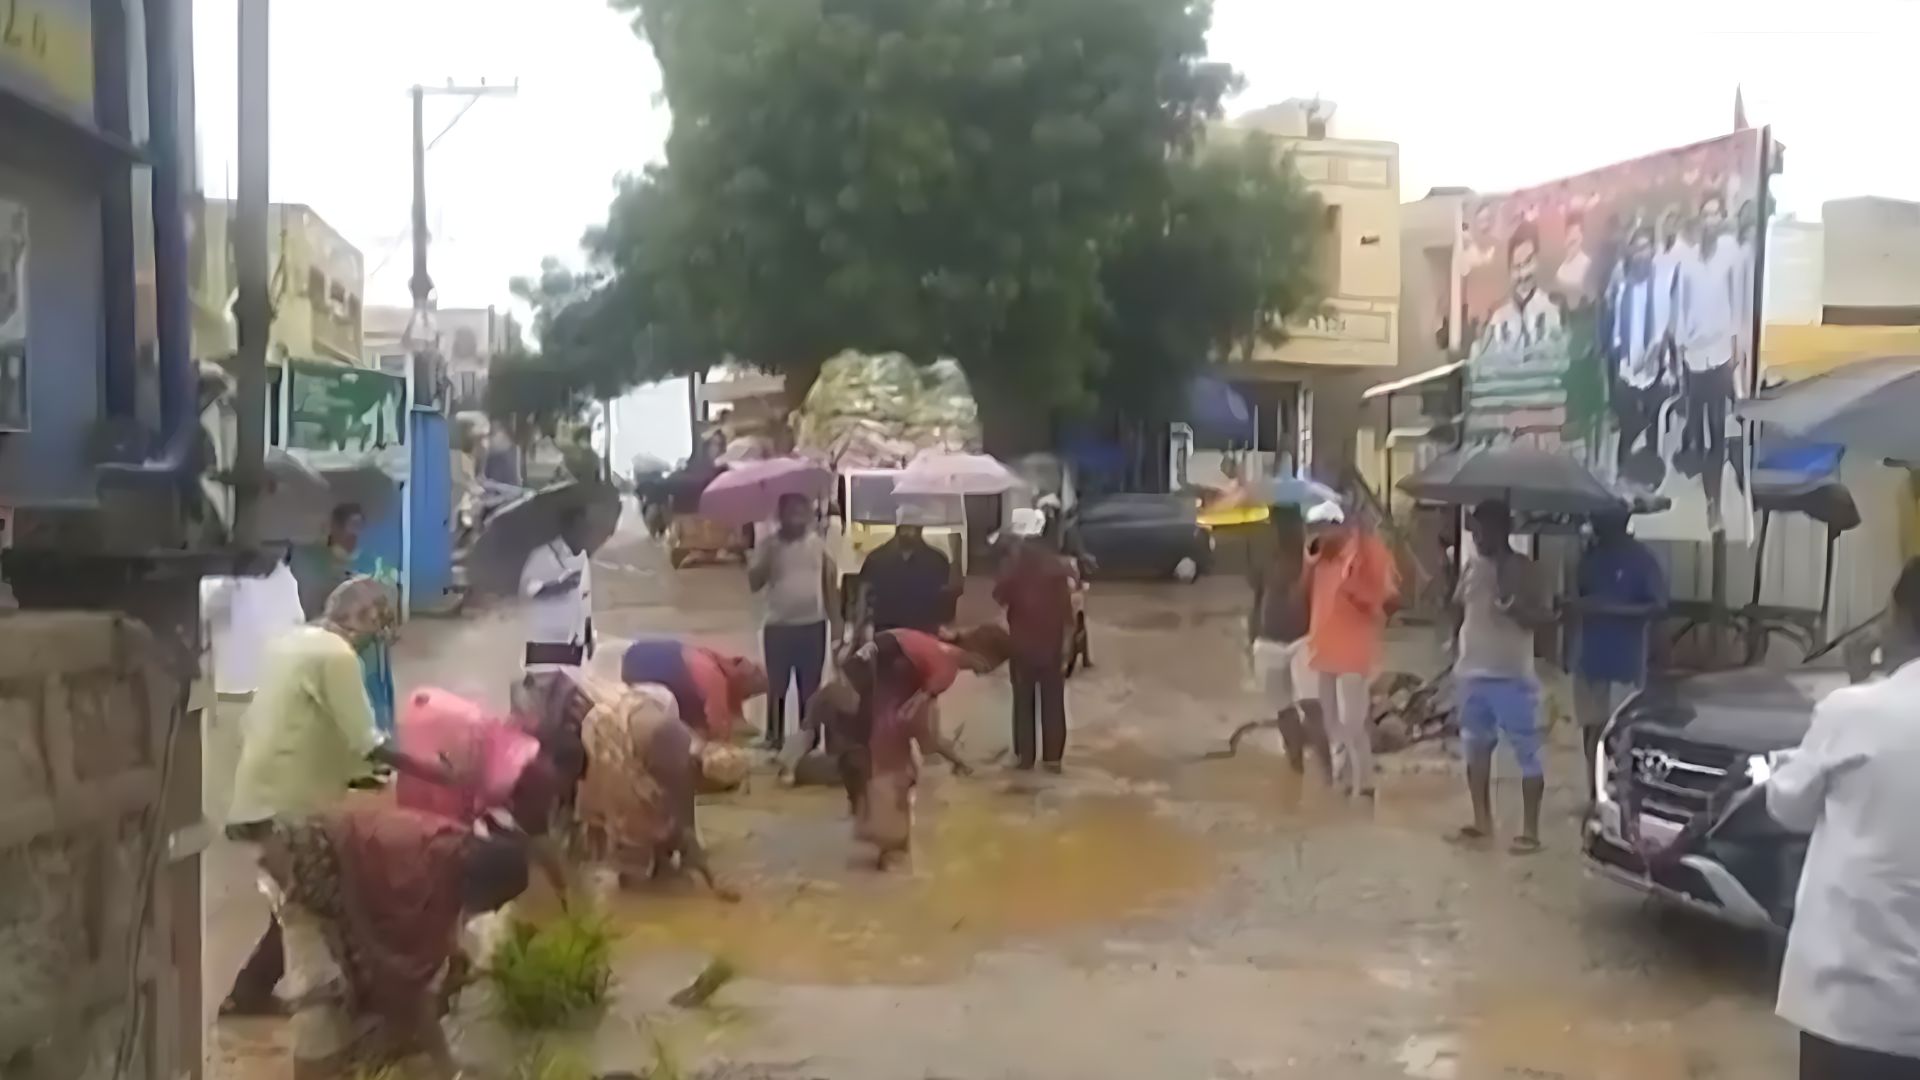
(515, 530)
(1869, 407)
(1525, 478)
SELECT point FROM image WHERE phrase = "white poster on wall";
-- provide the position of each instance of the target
(13, 316)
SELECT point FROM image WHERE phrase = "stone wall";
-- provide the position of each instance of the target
(87, 704)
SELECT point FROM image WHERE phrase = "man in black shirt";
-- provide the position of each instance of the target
(908, 584)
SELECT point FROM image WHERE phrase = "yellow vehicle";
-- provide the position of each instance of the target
(866, 512)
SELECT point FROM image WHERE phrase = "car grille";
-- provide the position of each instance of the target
(1672, 777)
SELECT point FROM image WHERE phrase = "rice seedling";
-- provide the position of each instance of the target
(555, 973)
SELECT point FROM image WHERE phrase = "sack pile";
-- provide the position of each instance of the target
(877, 412)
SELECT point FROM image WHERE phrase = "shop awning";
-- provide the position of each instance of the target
(1411, 381)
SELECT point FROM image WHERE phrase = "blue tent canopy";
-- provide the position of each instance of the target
(1217, 411)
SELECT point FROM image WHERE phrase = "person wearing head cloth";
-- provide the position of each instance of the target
(907, 583)
(1352, 585)
(907, 670)
(373, 898)
(1036, 587)
(711, 688)
(1500, 605)
(306, 738)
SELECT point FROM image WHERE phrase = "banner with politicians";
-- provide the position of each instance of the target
(1612, 315)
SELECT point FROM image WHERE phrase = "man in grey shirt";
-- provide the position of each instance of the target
(794, 577)
(1500, 606)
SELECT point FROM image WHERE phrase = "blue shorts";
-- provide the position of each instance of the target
(1493, 708)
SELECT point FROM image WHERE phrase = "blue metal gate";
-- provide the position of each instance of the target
(430, 500)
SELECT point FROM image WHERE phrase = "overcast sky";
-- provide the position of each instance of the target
(1492, 94)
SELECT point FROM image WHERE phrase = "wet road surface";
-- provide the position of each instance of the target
(1150, 914)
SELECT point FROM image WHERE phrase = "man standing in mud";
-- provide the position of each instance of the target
(1277, 640)
(906, 583)
(1500, 606)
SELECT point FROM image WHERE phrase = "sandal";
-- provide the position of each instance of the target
(1468, 836)
(1524, 845)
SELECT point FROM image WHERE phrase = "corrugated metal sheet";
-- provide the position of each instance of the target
(1866, 560)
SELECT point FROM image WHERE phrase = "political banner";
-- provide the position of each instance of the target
(1612, 315)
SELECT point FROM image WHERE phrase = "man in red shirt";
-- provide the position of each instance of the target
(1036, 588)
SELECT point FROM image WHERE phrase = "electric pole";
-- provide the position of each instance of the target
(421, 336)
(253, 307)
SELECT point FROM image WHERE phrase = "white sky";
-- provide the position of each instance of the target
(1492, 94)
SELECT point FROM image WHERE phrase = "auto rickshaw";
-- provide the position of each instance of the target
(690, 535)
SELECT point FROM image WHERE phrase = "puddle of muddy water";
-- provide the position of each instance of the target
(985, 871)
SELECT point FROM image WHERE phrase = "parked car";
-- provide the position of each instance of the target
(1145, 535)
(1670, 747)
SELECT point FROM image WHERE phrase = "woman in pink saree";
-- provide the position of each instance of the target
(499, 770)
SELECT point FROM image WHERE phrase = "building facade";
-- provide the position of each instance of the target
(1303, 390)
(466, 339)
(317, 285)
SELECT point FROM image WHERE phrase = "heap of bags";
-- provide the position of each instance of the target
(877, 412)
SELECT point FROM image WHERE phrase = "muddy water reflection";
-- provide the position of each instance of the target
(986, 870)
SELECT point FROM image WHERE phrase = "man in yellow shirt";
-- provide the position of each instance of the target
(308, 735)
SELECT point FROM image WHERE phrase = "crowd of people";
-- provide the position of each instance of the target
(370, 890)
(379, 838)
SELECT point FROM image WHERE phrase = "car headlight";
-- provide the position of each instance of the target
(1761, 767)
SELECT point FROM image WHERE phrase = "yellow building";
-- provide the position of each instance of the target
(315, 287)
(1304, 390)
(1358, 180)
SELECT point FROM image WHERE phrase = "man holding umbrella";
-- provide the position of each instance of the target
(1500, 606)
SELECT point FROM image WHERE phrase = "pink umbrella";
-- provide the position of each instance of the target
(937, 473)
(751, 491)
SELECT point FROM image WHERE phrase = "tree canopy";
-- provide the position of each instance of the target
(1014, 183)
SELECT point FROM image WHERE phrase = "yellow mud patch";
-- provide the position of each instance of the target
(983, 872)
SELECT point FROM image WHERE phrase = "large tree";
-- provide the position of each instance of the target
(983, 179)
(942, 177)
(1212, 272)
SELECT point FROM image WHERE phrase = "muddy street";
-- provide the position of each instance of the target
(1150, 914)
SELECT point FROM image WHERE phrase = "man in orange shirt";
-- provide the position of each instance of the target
(1352, 587)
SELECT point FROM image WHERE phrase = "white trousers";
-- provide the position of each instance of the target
(1345, 702)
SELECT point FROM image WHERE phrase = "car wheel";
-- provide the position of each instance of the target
(1187, 570)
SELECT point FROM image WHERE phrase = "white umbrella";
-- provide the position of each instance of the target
(938, 473)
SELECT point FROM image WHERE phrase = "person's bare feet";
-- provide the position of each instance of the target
(1469, 836)
(1524, 845)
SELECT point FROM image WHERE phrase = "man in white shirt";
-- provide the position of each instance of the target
(1576, 266)
(1529, 317)
(244, 614)
(1675, 251)
(557, 588)
(1708, 300)
(1851, 981)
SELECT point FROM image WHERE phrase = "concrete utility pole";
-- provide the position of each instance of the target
(420, 336)
(253, 308)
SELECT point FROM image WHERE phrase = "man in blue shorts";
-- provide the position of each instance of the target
(1500, 605)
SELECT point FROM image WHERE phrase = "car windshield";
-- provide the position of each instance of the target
(872, 501)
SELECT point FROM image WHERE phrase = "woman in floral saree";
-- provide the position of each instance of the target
(371, 899)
